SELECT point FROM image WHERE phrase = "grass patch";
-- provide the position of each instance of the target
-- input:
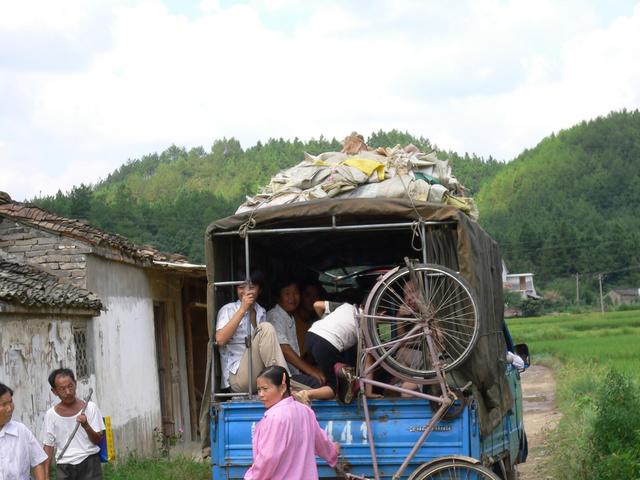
(596, 359)
(593, 339)
(178, 468)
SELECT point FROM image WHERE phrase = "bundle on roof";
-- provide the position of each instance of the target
(359, 172)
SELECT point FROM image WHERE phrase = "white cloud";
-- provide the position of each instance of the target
(105, 82)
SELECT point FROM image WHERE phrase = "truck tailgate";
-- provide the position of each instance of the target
(396, 424)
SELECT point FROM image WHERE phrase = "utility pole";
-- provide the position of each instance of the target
(601, 299)
(577, 289)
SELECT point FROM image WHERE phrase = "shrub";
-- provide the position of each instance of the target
(627, 306)
(531, 307)
(618, 466)
(614, 437)
(617, 424)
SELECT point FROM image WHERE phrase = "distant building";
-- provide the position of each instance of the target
(621, 296)
(130, 321)
(519, 282)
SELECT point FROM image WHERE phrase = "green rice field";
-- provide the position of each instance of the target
(587, 340)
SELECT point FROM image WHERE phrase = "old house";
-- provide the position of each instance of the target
(519, 282)
(624, 296)
(130, 321)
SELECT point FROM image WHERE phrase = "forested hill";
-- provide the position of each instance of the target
(570, 205)
(168, 199)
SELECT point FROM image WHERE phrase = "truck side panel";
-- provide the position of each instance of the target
(396, 425)
(506, 437)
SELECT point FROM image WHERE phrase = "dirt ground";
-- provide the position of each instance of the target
(540, 417)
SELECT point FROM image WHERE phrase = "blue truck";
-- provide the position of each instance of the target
(351, 244)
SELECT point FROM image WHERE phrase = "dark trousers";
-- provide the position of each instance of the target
(326, 356)
(88, 469)
(306, 380)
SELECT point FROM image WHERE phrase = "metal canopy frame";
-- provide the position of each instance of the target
(334, 227)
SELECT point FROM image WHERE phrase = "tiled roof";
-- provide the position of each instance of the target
(631, 292)
(28, 285)
(79, 229)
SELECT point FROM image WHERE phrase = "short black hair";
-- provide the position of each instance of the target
(4, 389)
(281, 283)
(256, 277)
(274, 374)
(304, 284)
(63, 372)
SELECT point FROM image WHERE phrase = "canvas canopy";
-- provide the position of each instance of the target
(309, 235)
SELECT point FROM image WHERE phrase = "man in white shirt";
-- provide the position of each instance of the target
(238, 320)
(81, 459)
(281, 317)
(19, 450)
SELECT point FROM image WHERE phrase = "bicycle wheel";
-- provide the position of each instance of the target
(453, 469)
(405, 305)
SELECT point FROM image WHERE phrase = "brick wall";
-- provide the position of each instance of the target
(62, 256)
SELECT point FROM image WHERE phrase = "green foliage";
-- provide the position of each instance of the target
(599, 433)
(531, 307)
(473, 171)
(616, 427)
(178, 468)
(570, 204)
(623, 307)
(512, 299)
(609, 448)
(169, 199)
(526, 306)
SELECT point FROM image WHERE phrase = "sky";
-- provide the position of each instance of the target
(86, 86)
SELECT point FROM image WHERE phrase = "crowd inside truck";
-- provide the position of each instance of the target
(383, 304)
(483, 425)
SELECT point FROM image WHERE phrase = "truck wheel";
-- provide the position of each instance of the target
(407, 303)
(453, 470)
(508, 471)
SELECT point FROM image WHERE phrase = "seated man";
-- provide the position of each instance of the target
(281, 317)
(237, 320)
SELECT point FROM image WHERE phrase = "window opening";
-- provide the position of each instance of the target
(80, 341)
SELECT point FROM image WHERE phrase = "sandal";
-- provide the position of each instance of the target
(346, 383)
(302, 396)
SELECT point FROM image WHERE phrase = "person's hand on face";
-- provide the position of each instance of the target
(248, 294)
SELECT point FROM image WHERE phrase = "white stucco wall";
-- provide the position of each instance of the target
(31, 347)
(121, 349)
(124, 354)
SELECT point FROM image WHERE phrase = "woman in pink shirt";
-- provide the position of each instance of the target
(288, 438)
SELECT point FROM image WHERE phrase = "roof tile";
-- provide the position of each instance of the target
(28, 285)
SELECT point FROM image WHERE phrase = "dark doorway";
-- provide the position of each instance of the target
(196, 341)
(163, 358)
